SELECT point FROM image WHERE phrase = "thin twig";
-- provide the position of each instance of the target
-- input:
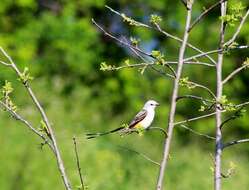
(18, 117)
(192, 63)
(195, 97)
(203, 87)
(78, 163)
(152, 67)
(215, 51)
(132, 66)
(231, 75)
(208, 115)
(196, 132)
(203, 54)
(140, 154)
(120, 41)
(180, 40)
(195, 118)
(5, 64)
(160, 129)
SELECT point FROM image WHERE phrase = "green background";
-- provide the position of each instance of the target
(57, 41)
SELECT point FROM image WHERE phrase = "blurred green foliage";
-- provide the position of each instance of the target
(63, 51)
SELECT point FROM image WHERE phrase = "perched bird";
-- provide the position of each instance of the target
(142, 120)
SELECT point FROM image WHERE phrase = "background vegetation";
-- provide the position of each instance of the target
(63, 51)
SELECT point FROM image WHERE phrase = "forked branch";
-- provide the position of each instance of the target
(44, 117)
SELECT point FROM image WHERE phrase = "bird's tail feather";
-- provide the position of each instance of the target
(94, 135)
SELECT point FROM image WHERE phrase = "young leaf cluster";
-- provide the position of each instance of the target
(184, 82)
(7, 89)
(155, 19)
(105, 67)
(234, 13)
(129, 20)
(158, 56)
(25, 76)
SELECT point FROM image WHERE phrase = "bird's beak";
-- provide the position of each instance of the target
(157, 104)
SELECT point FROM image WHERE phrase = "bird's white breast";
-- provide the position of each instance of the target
(146, 122)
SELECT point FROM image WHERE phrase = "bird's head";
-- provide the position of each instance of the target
(151, 104)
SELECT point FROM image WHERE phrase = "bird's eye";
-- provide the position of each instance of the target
(151, 104)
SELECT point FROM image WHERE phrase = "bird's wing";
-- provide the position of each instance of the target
(139, 117)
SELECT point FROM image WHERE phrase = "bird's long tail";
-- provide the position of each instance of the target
(94, 135)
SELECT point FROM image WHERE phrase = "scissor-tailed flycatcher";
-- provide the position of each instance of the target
(142, 120)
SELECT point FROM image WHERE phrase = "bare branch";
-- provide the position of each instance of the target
(180, 40)
(78, 163)
(173, 100)
(203, 54)
(231, 75)
(29, 125)
(192, 63)
(219, 89)
(45, 119)
(116, 12)
(207, 115)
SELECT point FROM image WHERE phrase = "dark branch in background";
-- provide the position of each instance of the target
(158, 129)
(78, 163)
(196, 132)
(234, 116)
(226, 145)
(204, 13)
(140, 154)
(45, 119)
(120, 41)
